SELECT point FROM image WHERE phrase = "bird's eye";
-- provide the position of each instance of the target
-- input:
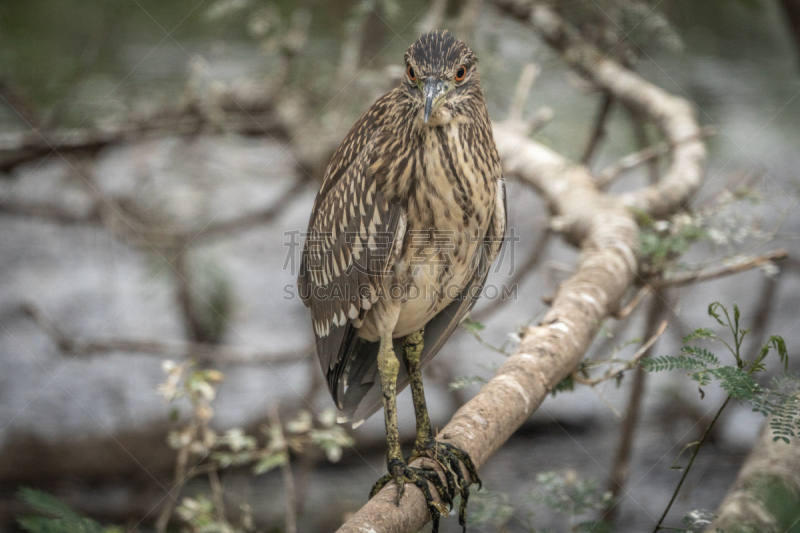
(411, 75)
(460, 73)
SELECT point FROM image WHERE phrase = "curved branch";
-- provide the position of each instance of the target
(674, 116)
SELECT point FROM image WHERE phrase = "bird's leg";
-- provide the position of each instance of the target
(447, 455)
(399, 471)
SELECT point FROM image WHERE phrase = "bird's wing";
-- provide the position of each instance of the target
(353, 238)
(364, 395)
(360, 135)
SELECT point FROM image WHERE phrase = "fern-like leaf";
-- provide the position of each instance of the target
(701, 353)
(671, 362)
(736, 382)
(699, 333)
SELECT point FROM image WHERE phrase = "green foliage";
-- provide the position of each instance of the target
(565, 385)
(736, 380)
(779, 399)
(565, 492)
(489, 509)
(472, 326)
(261, 454)
(660, 242)
(62, 519)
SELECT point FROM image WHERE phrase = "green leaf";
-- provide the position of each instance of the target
(736, 382)
(271, 460)
(66, 520)
(700, 333)
(671, 362)
(712, 311)
(565, 385)
(702, 354)
(472, 327)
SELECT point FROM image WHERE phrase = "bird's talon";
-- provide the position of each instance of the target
(401, 473)
(451, 459)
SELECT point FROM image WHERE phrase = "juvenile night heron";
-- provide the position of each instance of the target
(409, 218)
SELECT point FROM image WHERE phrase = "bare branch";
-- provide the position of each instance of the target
(116, 217)
(433, 18)
(530, 71)
(705, 275)
(286, 471)
(620, 469)
(227, 355)
(244, 111)
(468, 18)
(631, 161)
(519, 274)
(631, 363)
(599, 129)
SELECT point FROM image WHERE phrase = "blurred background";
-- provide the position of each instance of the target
(158, 163)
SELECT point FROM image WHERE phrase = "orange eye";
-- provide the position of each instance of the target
(460, 73)
(411, 75)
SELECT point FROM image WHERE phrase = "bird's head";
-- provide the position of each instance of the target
(440, 70)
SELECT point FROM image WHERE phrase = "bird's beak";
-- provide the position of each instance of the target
(433, 90)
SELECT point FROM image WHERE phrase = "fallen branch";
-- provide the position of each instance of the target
(202, 352)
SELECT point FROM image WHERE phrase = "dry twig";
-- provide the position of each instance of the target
(207, 353)
(630, 363)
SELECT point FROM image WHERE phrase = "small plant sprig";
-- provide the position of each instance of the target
(207, 452)
(565, 493)
(779, 400)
